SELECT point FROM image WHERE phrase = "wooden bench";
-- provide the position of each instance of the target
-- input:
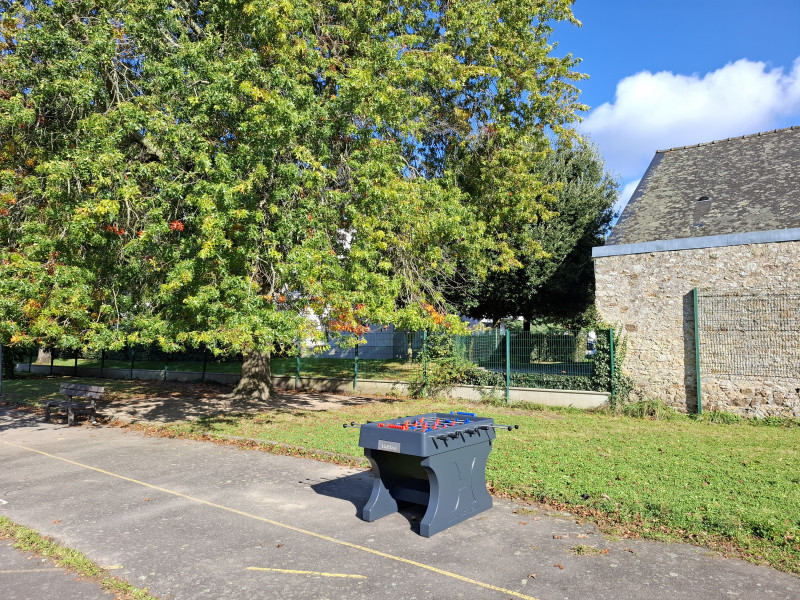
(72, 391)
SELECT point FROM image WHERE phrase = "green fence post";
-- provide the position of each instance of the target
(695, 299)
(52, 355)
(205, 360)
(132, 360)
(355, 369)
(75, 366)
(297, 367)
(102, 361)
(1, 370)
(424, 363)
(611, 361)
(508, 366)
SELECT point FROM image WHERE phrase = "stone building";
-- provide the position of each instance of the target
(722, 217)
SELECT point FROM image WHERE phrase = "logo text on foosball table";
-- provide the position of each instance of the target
(388, 446)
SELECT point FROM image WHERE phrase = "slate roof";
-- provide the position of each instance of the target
(752, 183)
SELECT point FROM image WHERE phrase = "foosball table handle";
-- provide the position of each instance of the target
(508, 427)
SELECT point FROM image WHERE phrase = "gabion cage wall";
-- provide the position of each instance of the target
(751, 334)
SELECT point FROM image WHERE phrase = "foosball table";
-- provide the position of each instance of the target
(437, 460)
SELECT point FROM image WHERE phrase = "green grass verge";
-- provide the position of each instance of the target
(28, 540)
(731, 487)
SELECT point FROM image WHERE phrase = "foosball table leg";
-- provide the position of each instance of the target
(380, 503)
(457, 488)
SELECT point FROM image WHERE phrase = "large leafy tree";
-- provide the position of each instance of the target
(554, 281)
(213, 172)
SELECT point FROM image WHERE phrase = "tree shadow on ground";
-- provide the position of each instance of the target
(21, 416)
(190, 407)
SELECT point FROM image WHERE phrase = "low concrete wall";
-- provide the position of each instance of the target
(140, 374)
(563, 398)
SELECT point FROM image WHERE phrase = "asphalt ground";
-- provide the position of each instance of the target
(24, 576)
(189, 519)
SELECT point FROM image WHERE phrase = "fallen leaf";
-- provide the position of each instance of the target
(605, 551)
(147, 499)
(522, 523)
(558, 536)
(57, 521)
(279, 546)
(559, 566)
(532, 576)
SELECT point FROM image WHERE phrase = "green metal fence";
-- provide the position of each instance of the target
(493, 358)
(750, 334)
(555, 353)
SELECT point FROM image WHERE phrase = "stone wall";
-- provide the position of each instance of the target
(650, 296)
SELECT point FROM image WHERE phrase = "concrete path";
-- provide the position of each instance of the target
(197, 520)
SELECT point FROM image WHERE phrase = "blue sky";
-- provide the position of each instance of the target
(675, 73)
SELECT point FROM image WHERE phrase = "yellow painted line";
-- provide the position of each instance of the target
(295, 572)
(16, 571)
(320, 536)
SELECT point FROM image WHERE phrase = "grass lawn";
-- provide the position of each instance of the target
(732, 487)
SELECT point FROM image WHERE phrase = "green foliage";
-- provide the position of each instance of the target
(485, 378)
(208, 172)
(724, 417)
(586, 550)
(445, 372)
(773, 421)
(651, 409)
(553, 278)
(439, 345)
(620, 384)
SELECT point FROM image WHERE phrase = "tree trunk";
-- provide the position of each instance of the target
(43, 357)
(256, 382)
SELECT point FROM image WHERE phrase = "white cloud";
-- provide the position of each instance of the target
(655, 111)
